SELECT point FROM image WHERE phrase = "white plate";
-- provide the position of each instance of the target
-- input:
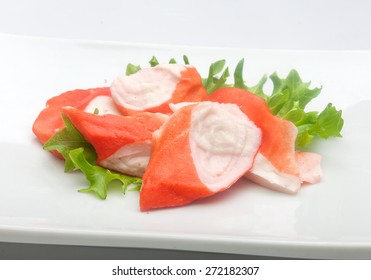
(40, 204)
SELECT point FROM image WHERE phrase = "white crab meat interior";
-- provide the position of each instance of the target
(223, 143)
(147, 88)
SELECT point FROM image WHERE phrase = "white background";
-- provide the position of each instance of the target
(266, 24)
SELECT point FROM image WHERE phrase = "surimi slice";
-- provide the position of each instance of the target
(276, 164)
(153, 89)
(266, 174)
(201, 150)
(49, 120)
(122, 143)
(309, 167)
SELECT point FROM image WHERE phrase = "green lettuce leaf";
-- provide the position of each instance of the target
(67, 140)
(329, 123)
(213, 81)
(79, 154)
(239, 81)
(172, 61)
(132, 69)
(289, 93)
(288, 100)
(186, 60)
(98, 177)
(153, 62)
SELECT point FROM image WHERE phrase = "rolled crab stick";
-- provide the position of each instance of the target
(122, 143)
(49, 120)
(153, 89)
(277, 165)
(201, 150)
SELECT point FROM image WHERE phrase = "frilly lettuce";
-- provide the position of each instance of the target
(80, 155)
(99, 177)
(288, 100)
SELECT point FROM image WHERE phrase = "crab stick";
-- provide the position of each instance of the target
(201, 150)
(49, 121)
(153, 89)
(309, 167)
(122, 143)
(277, 165)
